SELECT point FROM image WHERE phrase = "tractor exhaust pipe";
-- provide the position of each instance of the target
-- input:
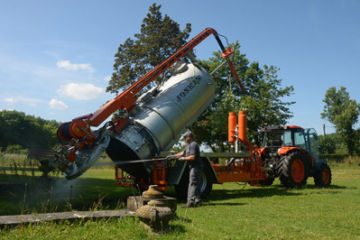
(241, 133)
(232, 127)
(242, 125)
(242, 130)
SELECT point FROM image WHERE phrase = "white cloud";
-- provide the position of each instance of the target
(57, 104)
(80, 91)
(67, 65)
(32, 102)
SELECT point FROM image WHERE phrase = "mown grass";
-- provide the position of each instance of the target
(232, 212)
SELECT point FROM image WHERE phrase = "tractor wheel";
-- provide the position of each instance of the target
(294, 170)
(322, 177)
(182, 188)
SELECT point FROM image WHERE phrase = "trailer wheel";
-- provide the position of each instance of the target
(294, 170)
(205, 185)
(182, 188)
(322, 177)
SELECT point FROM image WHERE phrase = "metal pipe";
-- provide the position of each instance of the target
(131, 161)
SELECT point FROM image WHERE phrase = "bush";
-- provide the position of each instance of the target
(327, 145)
(334, 157)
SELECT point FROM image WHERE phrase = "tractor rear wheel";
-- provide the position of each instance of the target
(294, 170)
(322, 177)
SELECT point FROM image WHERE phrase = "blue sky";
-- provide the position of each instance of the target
(56, 56)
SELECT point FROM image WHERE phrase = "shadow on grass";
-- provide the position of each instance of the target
(176, 228)
(222, 204)
(223, 194)
(330, 187)
(183, 219)
(275, 190)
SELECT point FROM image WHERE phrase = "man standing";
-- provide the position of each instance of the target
(192, 156)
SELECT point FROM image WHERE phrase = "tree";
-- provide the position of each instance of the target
(159, 37)
(263, 98)
(343, 112)
(26, 131)
(327, 144)
(357, 144)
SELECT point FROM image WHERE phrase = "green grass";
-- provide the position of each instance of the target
(232, 212)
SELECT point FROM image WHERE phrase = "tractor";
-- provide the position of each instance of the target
(291, 153)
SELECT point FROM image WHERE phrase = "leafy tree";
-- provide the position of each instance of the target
(357, 140)
(159, 37)
(343, 112)
(17, 128)
(327, 144)
(263, 98)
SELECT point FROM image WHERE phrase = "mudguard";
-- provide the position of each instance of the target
(176, 172)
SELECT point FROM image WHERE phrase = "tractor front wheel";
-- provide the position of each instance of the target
(294, 170)
(322, 177)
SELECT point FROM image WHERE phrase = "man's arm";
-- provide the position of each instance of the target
(177, 155)
(193, 150)
(180, 156)
(188, 158)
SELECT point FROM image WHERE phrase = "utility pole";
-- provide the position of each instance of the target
(324, 130)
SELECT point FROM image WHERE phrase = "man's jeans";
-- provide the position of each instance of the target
(194, 189)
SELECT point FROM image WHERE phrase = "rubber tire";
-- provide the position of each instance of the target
(318, 177)
(285, 170)
(181, 189)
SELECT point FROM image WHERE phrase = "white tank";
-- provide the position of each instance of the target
(180, 101)
(163, 113)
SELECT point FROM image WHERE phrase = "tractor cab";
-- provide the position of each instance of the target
(287, 137)
(312, 141)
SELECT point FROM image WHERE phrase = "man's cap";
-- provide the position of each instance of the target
(187, 134)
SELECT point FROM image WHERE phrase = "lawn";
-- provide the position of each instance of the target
(231, 212)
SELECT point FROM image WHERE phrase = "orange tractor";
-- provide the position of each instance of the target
(287, 152)
(290, 152)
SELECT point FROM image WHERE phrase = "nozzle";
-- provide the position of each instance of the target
(85, 158)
